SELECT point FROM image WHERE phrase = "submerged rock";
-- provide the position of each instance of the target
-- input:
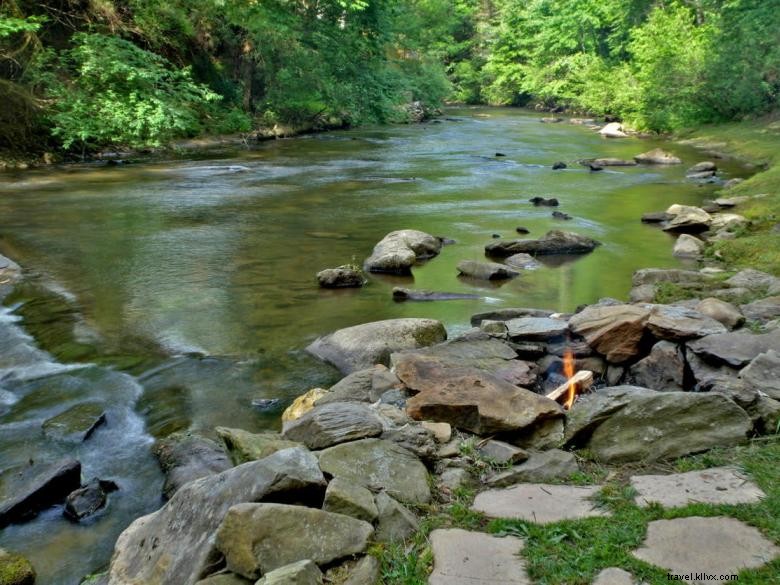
(362, 346)
(614, 162)
(407, 294)
(486, 270)
(77, 423)
(542, 202)
(522, 261)
(29, 489)
(554, 242)
(398, 251)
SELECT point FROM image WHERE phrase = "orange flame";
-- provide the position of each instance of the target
(568, 371)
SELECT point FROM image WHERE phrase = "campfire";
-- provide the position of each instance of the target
(576, 382)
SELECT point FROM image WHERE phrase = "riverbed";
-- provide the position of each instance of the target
(189, 282)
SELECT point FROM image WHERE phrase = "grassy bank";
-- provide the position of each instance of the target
(757, 246)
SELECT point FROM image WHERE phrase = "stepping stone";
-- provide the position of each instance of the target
(614, 576)
(719, 485)
(538, 502)
(707, 546)
(461, 557)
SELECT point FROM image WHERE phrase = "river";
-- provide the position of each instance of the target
(188, 285)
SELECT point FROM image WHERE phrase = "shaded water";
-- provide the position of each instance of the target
(217, 257)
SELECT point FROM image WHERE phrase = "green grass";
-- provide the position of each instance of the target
(574, 552)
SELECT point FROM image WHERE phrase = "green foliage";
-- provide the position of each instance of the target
(10, 25)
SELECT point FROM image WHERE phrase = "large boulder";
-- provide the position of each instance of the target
(362, 346)
(185, 457)
(258, 538)
(628, 423)
(378, 464)
(334, 423)
(28, 489)
(398, 251)
(486, 270)
(657, 156)
(614, 331)
(736, 349)
(552, 243)
(176, 543)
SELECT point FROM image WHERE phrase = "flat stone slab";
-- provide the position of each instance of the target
(719, 485)
(461, 557)
(539, 502)
(697, 547)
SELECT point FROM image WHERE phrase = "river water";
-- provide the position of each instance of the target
(184, 289)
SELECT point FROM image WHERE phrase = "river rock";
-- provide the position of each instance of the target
(687, 246)
(350, 499)
(613, 130)
(243, 446)
(176, 543)
(362, 386)
(28, 489)
(721, 311)
(377, 464)
(675, 323)
(486, 270)
(508, 314)
(663, 369)
(407, 294)
(398, 251)
(87, 500)
(395, 523)
(751, 279)
(473, 350)
(614, 162)
(301, 573)
(185, 457)
(657, 156)
(763, 373)
(15, 569)
(687, 219)
(628, 423)
(542, 466)
(542, 202)
(613, 331)
(735, 349)
(303, 404)
(703, 167)
(762, 310)
(334, 423)
(552, 243)
(362, 346)
(523, 262)
(341, 277)
(77, 423)
(472, 400)
(259, 538)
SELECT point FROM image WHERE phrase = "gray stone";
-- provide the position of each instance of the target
(656, 275)
(395, 522)
(77, 423)
(348, 498)
(657, 156)
(486, 270)
(751, 279)
(401, 294)
(735, 349)
(627, 423)
(475, 558)
(241, 445)
(362, 346)
(341, 277)
(718, 485)
(663, 369)
(687, 219)
(614, 162)
(702, 167)
(552, 243)
(501, 452)
(688, 246)
(413, 437)
(709, 546)
(364, 571)
(398, 251)
(454, 478)
(300, 573)
(539, 503)
(705, 373)
(176, 543)
(541, 466)
(185, 457)
(762, 310)
(614, 331)
(536, 328)
(507, 314)
(614, 576)
(680, 324)
(334, 423)
(378, 464)
(547, 434)
(721, 311)
(644, 293)
(763, 374)
(258, 538)
(522, 261)
(28, 489)
(88, 499)
(362, 386)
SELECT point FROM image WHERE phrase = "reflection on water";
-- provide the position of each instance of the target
(218, 256)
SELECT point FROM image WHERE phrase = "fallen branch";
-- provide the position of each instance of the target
(582, 380)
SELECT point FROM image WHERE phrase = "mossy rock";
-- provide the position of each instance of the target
(77, 423)
(15, 569)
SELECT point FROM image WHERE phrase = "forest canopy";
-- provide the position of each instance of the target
(81, 75)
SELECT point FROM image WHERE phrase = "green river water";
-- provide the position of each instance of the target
(189, 284)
